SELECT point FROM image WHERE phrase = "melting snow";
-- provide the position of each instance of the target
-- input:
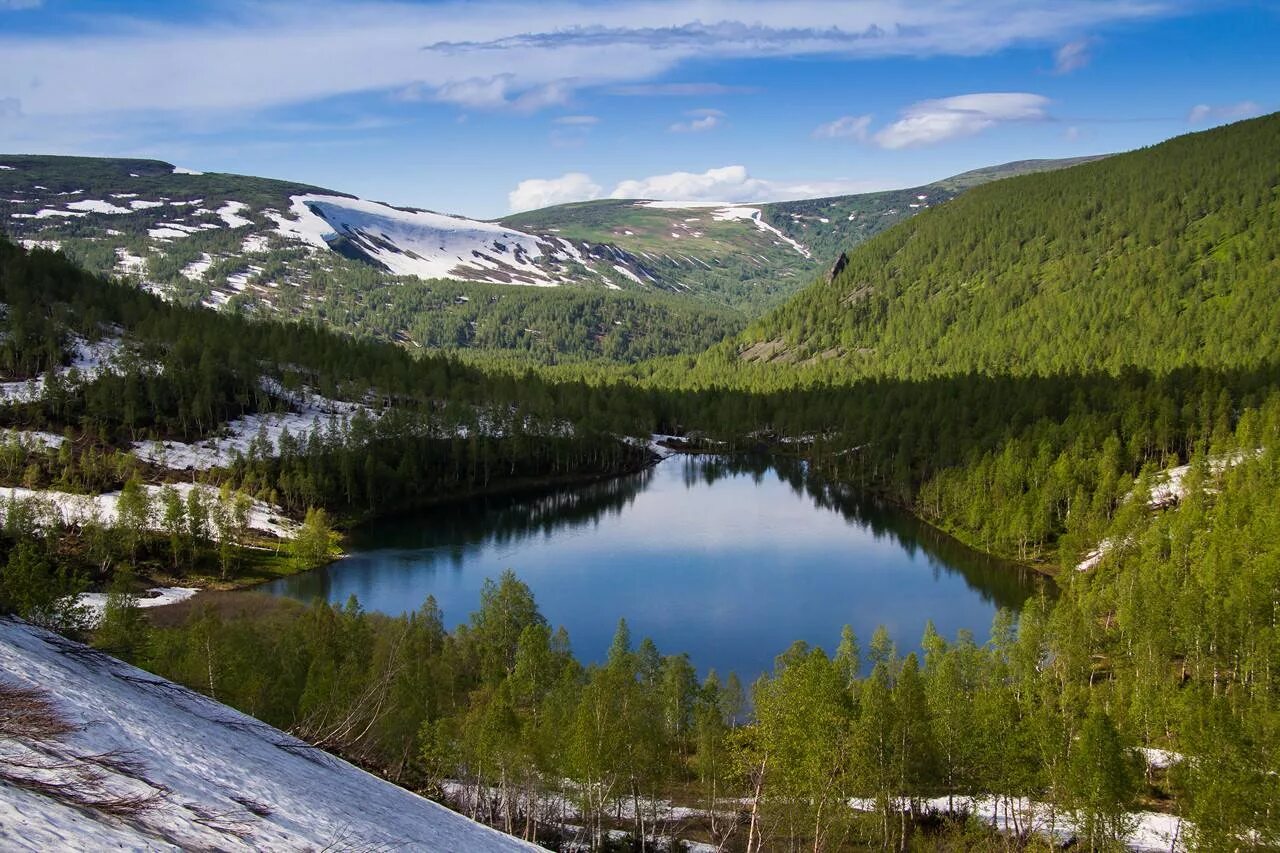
(315, 414)
(179, 170)
(143, 204)
(228, 213)
(88, 360)
(92, 205)
(196, 269)
(34, 439)
(51, 245)
(1154, 830)
(73, 509)
(47, 213)
(129, 262)
(95, 603)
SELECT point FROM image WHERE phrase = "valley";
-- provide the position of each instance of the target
(985, 516)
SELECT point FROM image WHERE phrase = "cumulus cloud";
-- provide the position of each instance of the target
(1072, 56)
(724, 184)
(733, 184)
(1202, 113)
(534, 193)
(728, 183)
(845, 127)
(699, 121)
(929, 122)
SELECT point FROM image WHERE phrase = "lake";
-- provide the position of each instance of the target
(729, 560)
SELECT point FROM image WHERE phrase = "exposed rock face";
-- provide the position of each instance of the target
(838, 267)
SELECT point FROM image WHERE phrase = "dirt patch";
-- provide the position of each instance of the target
(229, 605)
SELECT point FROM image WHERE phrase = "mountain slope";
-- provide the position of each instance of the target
(231, 238)
(752, 255)
(112, 756)
(1159, 258)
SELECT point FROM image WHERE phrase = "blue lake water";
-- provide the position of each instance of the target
(727, 560)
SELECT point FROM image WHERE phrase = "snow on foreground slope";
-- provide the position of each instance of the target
(217, 779)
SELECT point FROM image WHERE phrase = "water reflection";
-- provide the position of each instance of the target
(728, 558)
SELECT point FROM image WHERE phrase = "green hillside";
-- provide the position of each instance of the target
(717, 256)
(1162, 257)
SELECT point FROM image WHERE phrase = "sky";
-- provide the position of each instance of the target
(485, 108)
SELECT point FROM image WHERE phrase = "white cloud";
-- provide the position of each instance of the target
(724, 184)
(699, 121)
(734, 184)
(679, 90)
(18, 5)
(1072, 56)
(498, 92)
(534, 193)
(729, 183)
(485, 55)
(929, 122)
(1201, 113)
(845, 127)
(577, 121)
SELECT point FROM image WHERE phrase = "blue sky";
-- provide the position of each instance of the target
(484, 107)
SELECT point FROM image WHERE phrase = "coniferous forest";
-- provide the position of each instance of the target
(1076, 371)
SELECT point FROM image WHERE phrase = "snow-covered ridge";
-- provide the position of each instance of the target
(207, 776)
(425, 244)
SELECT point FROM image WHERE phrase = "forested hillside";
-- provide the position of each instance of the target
(1163, 257)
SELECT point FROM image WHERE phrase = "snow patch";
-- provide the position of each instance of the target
(179, 170)
(51, 245)
(73, 510)
(34, 439)
(93, 205)
(87, 361)
(128, 262)
(196, 269)
(255, 243)
(229, 214)
(95, 603)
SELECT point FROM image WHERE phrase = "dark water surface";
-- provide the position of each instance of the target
(728, 560)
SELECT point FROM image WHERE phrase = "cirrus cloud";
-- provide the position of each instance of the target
(1201, 113)
(699, 121)
(845, 127)
(1072, 56)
